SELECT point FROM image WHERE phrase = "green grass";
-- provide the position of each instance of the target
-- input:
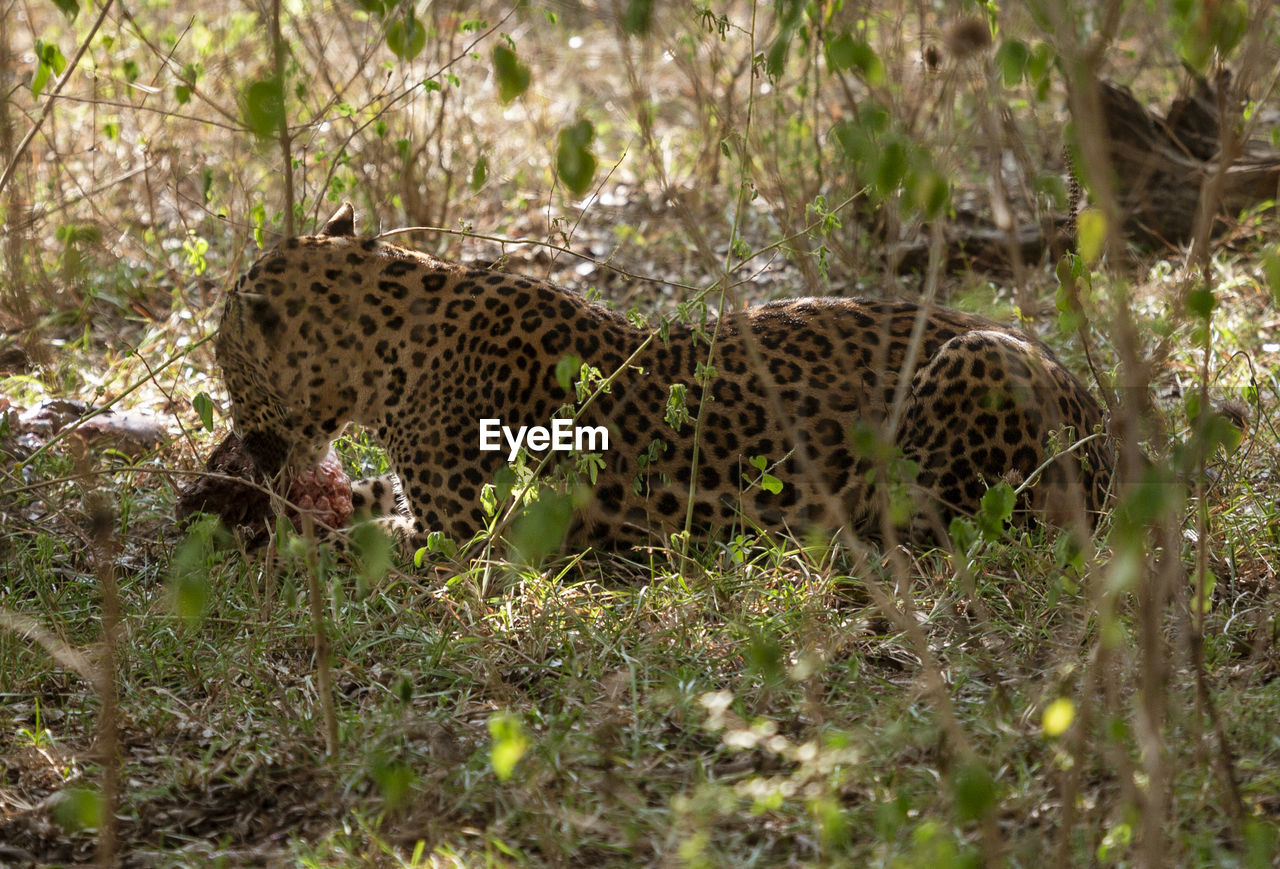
(753, 709)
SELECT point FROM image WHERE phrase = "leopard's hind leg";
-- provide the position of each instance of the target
(991, 406)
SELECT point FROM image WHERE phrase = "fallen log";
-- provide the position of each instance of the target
(1159, 165)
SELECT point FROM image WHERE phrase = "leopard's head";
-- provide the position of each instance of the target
(285, 413)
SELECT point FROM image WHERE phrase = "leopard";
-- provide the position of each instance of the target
(792, 417)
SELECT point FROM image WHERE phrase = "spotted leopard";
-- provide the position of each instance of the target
(332, 329)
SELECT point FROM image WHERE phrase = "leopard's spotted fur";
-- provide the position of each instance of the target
(330, 329)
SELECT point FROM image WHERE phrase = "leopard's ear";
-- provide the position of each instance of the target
(343, 222)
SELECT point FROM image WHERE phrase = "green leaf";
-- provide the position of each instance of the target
(40, 79)
(1222, 432)
(394, 779)
(190, 568)
(1057, 717)
(1202, 602)
(504, 482)
(845, 52)
(258, 214)
(374, 551)
(768, 482)
(1206, 28)
(775, 60)
(1200, 302)
(540, 527)
(79, 809)
(373, 7)
(1012, 58)
(1202, 27)
(191, 595)
(964, 533)
(1067, 552)
(975, 791)
(567, 371)
(509, 744)
(1038, 68)
(892, 166)
(1067, 297)
(50, 54)
(203, 405)
(512, 75)
(78, 234)
(930, 192)
(637, 18)
(480, 172)
(187, 80)
(69, 8)
(575, 164)
(891, 816)
(264, 108)
(1091, 234)
(841, 53)
(489, 500)
(437, 544)
(1115, 842)
(765, 657)
(1271, 270)
(406, 37)
(49, 62)
(1147, 500)
(1260, 838)
(996, 510)
(1193, 406)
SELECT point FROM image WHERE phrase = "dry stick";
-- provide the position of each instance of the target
(15, 300)
(102, 517)
(33, 216)
(703, 247)
(48, 103)
(63, 654)
(166, 58)
(391, 101)
(1000, 195)
(1230, 147)
(320, 640)
(644, 118)
(277, 45)
(70, 428)
(1080, 67)
(739, 207)
(1157, 590)
(934, 682)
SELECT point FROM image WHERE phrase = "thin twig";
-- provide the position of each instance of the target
(48, 103)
